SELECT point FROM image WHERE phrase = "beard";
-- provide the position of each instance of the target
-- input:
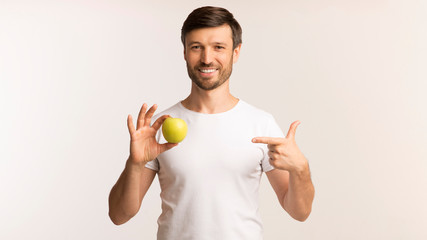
(210, 83)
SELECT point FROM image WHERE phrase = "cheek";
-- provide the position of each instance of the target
(192, 56)
(226, 60)
(191, 61)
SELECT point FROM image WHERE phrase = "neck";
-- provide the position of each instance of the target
(213, 101)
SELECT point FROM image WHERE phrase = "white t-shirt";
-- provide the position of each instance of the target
(209, 182)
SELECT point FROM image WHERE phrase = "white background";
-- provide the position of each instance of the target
(353, 72)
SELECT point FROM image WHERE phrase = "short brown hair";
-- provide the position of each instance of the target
(208, 16)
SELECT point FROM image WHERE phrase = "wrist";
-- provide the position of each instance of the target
(135, 165)
(300, 169)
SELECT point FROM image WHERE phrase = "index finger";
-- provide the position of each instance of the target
(156, 125)
(268, 140)
(149, 114)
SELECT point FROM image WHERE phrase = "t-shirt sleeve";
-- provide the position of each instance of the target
(272, 130)
(153, 164)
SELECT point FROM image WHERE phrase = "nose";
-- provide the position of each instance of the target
(207, 56)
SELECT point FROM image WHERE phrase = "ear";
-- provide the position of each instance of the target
(236, 53)
(185, 57)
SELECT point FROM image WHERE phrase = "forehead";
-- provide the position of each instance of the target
(222, 33)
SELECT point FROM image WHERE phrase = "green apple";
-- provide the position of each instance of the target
(174, 130)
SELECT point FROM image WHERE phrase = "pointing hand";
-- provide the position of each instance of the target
(283, 152)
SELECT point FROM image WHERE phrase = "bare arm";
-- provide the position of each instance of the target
(299, 198)
(291, 178)
(126, 195)
(294, 190)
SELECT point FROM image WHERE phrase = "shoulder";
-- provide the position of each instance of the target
(255, 112)
(263, 121)
(172, 110)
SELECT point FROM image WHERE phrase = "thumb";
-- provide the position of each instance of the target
(293, 129)
(166, 146)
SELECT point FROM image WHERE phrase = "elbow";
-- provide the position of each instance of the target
(302, 216)
(119, 220)
(119, 215)
(115, 219)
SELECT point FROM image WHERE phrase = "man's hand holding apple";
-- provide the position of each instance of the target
(143, 144)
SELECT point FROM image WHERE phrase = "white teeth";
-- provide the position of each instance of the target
(207, 70)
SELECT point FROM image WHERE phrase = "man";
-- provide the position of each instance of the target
(209, 182)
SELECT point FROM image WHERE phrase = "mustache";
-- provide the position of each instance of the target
(203, 65)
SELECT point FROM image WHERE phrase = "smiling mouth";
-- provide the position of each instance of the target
(210, 70)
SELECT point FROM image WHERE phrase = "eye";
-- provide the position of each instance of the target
(220, 47)
(195, 47)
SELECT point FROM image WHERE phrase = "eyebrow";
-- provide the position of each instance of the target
(215, 43)
(220, 43)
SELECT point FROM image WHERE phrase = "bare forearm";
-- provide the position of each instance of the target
(299, 197)
(126, 196)
(124, 199)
